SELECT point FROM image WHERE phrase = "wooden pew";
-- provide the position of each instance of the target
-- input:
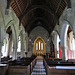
(5, 60)
(54, 59)
(19, 70)
(3, 69)
(23, 67)
(55, 71)
(52, 70)
(32, 64)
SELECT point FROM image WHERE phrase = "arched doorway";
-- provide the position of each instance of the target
(39, 46)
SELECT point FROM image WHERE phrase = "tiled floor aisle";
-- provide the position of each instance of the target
(39, 68)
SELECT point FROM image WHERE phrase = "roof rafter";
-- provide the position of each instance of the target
(33, 7)
(37, 18)
(58, 6)
(18, 5)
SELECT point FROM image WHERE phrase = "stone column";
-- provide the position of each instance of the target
(10, 46)
(22, 52)
(0, 44)
(22, 48)
(0, 49)
(56, 46)
(14, 53)
(64, 53)
(50, 44)
(26, 42)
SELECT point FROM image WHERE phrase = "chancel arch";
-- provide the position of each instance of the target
(39, 46)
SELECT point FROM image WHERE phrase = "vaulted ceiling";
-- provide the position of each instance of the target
(33, 13)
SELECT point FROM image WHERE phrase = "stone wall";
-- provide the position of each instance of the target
(38, 31)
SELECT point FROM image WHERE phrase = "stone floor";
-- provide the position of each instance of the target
(39, 68)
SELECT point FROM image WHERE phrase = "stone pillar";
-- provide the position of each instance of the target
(64, 53)
(10, 46)
(51, 48)
(14, 53)
(0, 50)
(22, 52)
(56, 46)
(22, 48)
(63, 41)
(0, 44)
(26, 42)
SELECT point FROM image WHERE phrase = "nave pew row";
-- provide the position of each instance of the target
(21, 66)
(24, 67)
(59, 67)
(5, 60)
(19, 70)
(3, 69)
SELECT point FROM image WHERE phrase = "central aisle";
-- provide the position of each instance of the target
(39, 68)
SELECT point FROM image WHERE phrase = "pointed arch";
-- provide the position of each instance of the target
(39, 46)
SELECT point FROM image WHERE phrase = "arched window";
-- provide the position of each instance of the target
(39, 46)
(19, 45)
(36, 46)
(5, 48)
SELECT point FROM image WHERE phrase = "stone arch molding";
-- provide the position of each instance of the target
(63, 37)
(11, 24)
(66, 17)
(65, 21)
(40, 31)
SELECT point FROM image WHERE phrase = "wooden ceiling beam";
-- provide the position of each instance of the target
(68, 3)
(33, 7)
(29, 23)
(18, 6)
(58, 6)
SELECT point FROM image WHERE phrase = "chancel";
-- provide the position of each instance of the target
(37, 37)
